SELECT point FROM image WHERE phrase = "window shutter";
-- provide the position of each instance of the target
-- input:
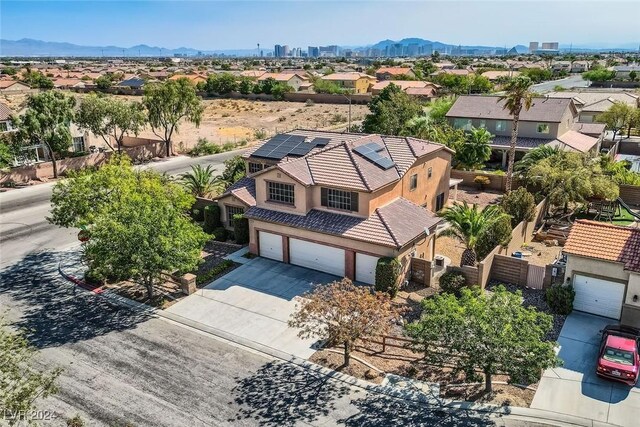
(323, 197)
(354, 202)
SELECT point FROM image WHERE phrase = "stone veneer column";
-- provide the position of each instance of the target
(285, 249)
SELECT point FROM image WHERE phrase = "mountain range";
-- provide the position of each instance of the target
(39, 48)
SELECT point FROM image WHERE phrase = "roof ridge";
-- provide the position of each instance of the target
(607, 225)
(386, 226)
(357, 168)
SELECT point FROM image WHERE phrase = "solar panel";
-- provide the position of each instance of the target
(385, 163)
(372, 152)
(283, 145)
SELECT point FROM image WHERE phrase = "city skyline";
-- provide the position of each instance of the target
(218, 25)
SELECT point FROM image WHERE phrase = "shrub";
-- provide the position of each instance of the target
(260, 134)
(75, 422)
(241, 229)
(215, 271)
(482, 181)
(220, 234)
(197, 215)
(309, 103)
(560, 298)
(387, 276)
(204, 148)
(228, 146)
(520, 204)
(499, 233)
(211, 218)
(452, 282)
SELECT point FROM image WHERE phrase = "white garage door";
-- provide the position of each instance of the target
(598, 296)
(366, 268)
(316, 256)
(270, 245)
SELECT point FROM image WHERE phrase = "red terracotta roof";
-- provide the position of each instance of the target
(607, 242)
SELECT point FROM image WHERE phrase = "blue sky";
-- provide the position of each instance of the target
(211, 25)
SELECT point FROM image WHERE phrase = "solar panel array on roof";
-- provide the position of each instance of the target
(283, 145)
(372, 152)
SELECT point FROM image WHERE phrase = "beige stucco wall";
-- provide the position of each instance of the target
(300, 194)
(525, 129)
(633, 289)
(597, 268)
(223, 202)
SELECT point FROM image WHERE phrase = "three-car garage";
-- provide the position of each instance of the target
(316, 256)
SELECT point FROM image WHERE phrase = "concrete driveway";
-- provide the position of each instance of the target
(575, 388)
(254, 302)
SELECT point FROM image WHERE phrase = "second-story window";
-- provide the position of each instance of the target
(280, 193)
(501, 126)
(413, 183)
(339, 199)
(465, 124)
(543, 128)
(255, 167)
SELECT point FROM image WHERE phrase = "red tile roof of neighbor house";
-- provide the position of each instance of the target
(403, 84)
(491, 107)
(394, 70)
(575, 141)
(604, 241)
(393, 225)
(5, 112)
(347, 76)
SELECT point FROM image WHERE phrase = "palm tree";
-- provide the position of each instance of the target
(468, 223)
(475, 150)
(517, 96)
(234, 170)
(200, 181)
(534, 156)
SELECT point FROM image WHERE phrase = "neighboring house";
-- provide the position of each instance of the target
(496, 75)
(592, 103)
(548, 121)
(354, 82)
(295, 80)
(454, 72)
(252, 74)
(68, 83)
(5, 118)
(412, 87)
(579, 66)
(132, 83)
(338, 202)
(603, 265)
(392, 73)
(12, 86)
(622, 71)
(193, 78)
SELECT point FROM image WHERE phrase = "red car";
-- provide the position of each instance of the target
(618, 358)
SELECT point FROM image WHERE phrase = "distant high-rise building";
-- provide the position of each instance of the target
(550, 45)
(533, 46)
(313, 51)
(285, 50)
(331, 51)
(277, 51)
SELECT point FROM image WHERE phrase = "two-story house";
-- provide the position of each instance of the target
(297, 81)
(5, 118)
(392, 73)
(549, 121)
(354, 82)
(338, 202)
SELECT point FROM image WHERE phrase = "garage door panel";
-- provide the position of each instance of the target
(270, 245)
(598, 296)
(316, 256)
(366, 268)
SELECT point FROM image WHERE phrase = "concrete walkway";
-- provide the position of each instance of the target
(254, 302)
(575, 389)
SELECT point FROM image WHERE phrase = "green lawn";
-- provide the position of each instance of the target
(623, 218)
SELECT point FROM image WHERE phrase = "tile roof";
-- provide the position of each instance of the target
(589, 128)
(575, 141)
(403, 84)
(521, 142)
(347, 76)
(490, 107)
(394, 70)
(604, 241)
(393, 225)
(4, 84)
(338, 165)
(5, 111)
(594, 96)
(492, 75)
(244, 190)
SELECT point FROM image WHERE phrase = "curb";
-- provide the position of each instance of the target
(397, 393)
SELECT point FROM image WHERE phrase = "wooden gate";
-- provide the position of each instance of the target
(535, 276)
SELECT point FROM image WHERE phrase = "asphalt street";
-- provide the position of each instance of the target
(23, 212)
(574, 81)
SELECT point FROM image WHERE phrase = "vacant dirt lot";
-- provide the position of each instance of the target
(229, 120)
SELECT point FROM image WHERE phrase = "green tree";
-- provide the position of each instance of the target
(245, 86)
(390, 112)
(439, 108)
(617, 117)
(492, 333)
(169, 102)
(599, 75)
(110, 117)
(475, 150)
(37, 80)
(537, 75)
(341, 313)
(46, 121)
(633, 75)
(520, 205)
(516, 98)
(568, 178)
(199, 181)
(21, 381)
(327, 86)
(534, 156)
(137, 221)
(468, 223)
(279, 89)
(497, 234)
(221, 84)
(234, 171)
(104, 82)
